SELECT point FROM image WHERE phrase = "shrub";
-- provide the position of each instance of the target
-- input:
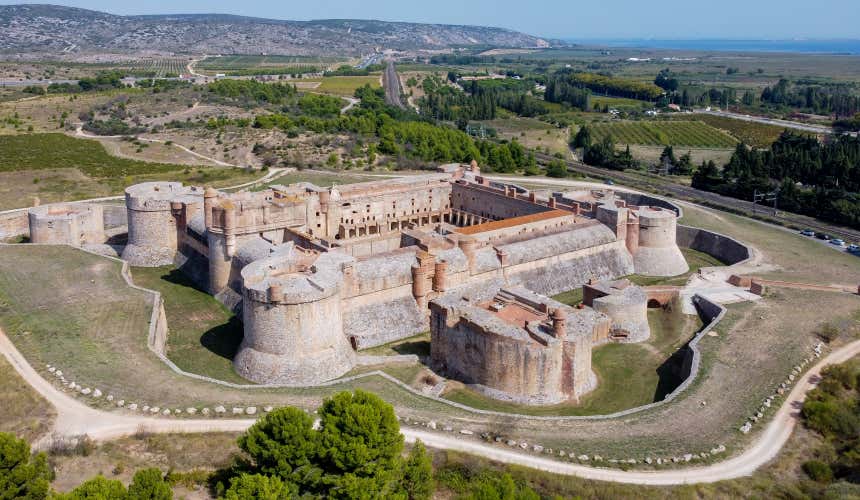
(818, 471)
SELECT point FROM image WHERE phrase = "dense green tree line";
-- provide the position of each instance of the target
(320, 104)
(252, 91)
(609, 85)
(838, 99)
(813, 178)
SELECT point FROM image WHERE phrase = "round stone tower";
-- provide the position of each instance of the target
(157, 212)
(657, 253)
(74, 224)
(292, 316)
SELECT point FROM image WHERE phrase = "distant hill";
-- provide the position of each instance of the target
(56, 29)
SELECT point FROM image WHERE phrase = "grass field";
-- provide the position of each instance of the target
(346, 85)
(23, 412)
(618, 102)
(203, 334)
(56, 167)
(629, 375)
(675, 133)
(270, 64)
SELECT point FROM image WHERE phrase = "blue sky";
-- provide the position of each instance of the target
(666, 19)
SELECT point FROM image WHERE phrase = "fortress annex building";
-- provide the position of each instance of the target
(319, 273)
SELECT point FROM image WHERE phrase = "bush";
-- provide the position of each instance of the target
(828, 332)
(818, 471)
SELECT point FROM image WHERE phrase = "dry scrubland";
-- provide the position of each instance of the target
(753, 350)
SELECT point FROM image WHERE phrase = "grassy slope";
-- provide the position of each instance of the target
(56, 167)
(22, 411)
(204, 335)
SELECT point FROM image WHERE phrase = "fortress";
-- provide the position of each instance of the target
(320, 273)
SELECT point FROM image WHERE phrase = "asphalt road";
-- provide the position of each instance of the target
(391, 82)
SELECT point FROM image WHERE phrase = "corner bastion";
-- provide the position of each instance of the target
(74, 224)
(292, 316)
(516, 346)
(625, 303)
(157, 213)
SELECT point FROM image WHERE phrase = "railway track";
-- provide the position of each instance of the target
(708, 198)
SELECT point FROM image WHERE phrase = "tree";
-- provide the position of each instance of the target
(582, 138)
(149, 484)
(259, 487)
(417, 480)
(98, 488)
(684, 165)
(21, 476)
(359, 435)
(556, 168)
(282, 443)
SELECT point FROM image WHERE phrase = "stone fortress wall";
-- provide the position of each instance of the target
(74, 224)
(158, 213)
(321, 272)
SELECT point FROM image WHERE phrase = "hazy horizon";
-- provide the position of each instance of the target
(674, 20)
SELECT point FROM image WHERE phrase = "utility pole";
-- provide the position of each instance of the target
(771, 196)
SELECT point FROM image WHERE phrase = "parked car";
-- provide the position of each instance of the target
(808, 232)
(609, 182)
(837, 241)
(822, 236)
(854, 248)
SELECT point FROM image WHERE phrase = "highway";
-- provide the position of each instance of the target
(667, 188)
(392, 86)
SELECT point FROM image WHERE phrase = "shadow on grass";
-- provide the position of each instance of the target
(419, 348)
(223, 340)
(670, 373)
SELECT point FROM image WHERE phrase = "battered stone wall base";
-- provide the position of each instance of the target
(660, 261)
(559, 277)
(231, 300)
(636, 332)
(381, 323)
(139, 256)
(315, 368)
(588, 386)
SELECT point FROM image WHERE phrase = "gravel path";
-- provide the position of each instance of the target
(74, 418)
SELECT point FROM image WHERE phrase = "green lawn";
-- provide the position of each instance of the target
(203, 334)
(418, 345)
(695, 259)
(629, 375)
(346, 85)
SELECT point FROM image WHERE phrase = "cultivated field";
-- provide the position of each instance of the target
(675, 133)
(266, 65)
(346, 85)
(758, 135)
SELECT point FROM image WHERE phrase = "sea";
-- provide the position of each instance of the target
(848, 47)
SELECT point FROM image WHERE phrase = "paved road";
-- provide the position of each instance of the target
(74, 418)
(391, 82)
(663, 186)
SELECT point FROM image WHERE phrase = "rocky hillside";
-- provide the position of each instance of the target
(66, 30)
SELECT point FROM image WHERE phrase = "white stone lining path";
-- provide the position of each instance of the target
(75, 418)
